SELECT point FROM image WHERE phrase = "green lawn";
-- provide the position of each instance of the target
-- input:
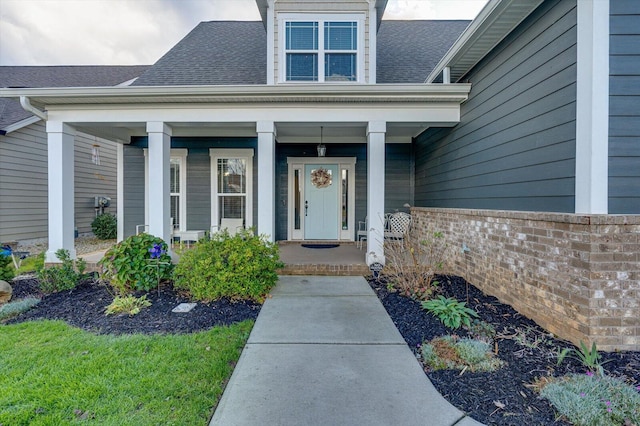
(54, 374)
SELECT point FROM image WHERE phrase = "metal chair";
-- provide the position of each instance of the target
(231, 225)
(361, 234)
(397, 226)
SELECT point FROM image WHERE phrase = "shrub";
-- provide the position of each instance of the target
(590, 400)
(128, 265)
(104, 226)
(412, 263)
(62, 277)
(17, 307)
(127, 305)
(7, 271)
(450, 353)
(452, 313)
(242, 266)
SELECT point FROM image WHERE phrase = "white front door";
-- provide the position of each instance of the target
(321, 204)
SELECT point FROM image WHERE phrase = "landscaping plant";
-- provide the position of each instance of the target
(126, 264)
(242, 266)
(452, 313)
(105, 226)
(62, 277)
(592, 400)
(448, 352)
(15, 308)
(590, 358)
(7, 271)
(412, 263)
(127, 305)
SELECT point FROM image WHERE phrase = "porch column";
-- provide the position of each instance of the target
(592, 108)
(266, 178)
(376, 131)
(60, 142)
(158, 178)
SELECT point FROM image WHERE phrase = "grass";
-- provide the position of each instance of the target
(54, 374)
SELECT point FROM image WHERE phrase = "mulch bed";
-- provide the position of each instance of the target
(500, 398)
(84, 307)
(503, 397)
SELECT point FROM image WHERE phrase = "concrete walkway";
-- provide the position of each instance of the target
(324, 351)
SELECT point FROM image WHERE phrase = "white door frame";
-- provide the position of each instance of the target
(344, 163)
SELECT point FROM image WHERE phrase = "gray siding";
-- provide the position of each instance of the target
(23, 182)
(624, 107)
(133, 175)
(198, 189)
(515, 146)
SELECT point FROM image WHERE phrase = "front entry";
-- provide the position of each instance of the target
(321, 211)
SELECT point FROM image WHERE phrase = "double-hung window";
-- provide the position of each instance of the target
(323, 50)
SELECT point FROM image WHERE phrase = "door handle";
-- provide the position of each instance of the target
(306, 207)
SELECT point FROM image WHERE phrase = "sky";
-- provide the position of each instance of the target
(139, 32)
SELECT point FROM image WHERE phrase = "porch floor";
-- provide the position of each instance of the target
(346, 259)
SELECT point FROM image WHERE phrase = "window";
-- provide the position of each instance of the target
(322, 50)
(231, 174)
(177, 188)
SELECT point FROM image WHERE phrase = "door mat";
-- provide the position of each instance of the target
(320, 246)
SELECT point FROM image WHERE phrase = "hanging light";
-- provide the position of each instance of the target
(322, 149)
(95, 154)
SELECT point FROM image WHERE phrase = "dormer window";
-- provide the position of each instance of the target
(322, 50)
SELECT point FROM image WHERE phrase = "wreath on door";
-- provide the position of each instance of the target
(321, 178)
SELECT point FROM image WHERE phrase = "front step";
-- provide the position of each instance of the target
(325, 269)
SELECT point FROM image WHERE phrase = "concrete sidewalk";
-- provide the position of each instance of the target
(324, 351)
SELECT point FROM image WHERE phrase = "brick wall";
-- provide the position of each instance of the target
(578, 276)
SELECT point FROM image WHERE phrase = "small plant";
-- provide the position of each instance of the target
(412, 263)
(589, 400)
(242, 266)
(590, 358)
(31, 264)
(105, 226)
(482, 330)
(126, 265)
(448, 352)
(62, 277)
(17, 307)
(127, 305)
(452, 313)
(7, 271)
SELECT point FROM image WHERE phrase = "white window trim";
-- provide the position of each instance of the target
(348, 163)
(181, 155)
(283, 18)
(247, 155)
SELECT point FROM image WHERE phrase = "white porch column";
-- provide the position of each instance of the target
(266, 178)
(158, 178)
(592, 108)
(376, 131)
(60, 142)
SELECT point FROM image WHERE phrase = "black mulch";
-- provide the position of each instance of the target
(84, 307)
(502, 397)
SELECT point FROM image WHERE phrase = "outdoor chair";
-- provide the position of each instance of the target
(231, 225)
(397, 225)
(361, 234)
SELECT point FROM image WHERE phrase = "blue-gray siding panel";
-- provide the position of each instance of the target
(515, 146)
(624, 107)
(198, 189)
(133, 203)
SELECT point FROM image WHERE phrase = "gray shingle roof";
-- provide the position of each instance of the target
(409, 50)
(213, 53)
(226, 53)
(58, 76)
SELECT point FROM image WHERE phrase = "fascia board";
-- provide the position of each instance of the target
(20, 124)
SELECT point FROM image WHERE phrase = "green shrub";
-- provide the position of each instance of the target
(452, 313)
(62, 277)
(128, 265)
(7, 271)
(104, 226)
(242, 266)
(451, 353)
(590, 400)
(127, 304)
(17, 307)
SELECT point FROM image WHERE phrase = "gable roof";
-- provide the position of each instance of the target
(57, 76)
(213, 53)
(235, 53)
(409, 50)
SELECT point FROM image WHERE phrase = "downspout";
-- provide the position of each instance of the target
(26, 105)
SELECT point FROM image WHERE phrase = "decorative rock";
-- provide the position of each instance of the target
(184, 307)
(5, 292)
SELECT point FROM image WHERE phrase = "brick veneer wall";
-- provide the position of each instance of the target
(578, 276)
